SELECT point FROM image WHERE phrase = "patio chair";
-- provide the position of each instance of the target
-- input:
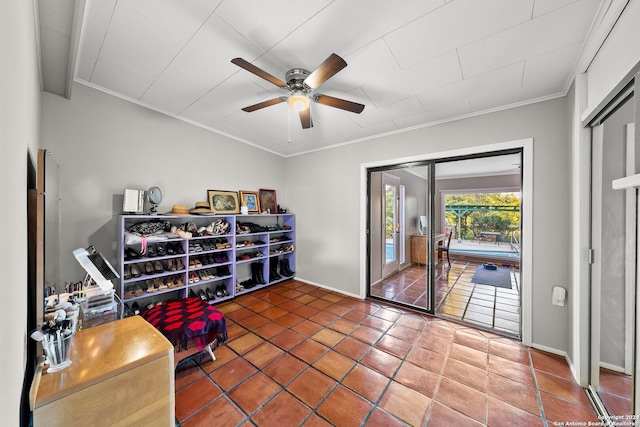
(445, 248)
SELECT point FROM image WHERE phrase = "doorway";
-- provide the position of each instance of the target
(428, 279)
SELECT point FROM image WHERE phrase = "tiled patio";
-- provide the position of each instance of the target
(457, 297)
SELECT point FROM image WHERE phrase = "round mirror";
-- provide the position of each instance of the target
(155, 197)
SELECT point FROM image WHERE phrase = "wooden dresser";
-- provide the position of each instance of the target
(419, 253)
(419, 249)
(122, 373)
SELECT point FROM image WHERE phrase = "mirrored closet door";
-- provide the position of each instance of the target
(614, 267)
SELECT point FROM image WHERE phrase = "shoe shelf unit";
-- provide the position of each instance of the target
(264, 254)
(251, 252)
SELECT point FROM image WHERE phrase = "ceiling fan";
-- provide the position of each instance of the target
(301, 85)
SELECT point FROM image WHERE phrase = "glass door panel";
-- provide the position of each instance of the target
(391, 226)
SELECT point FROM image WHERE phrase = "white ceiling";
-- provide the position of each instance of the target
(412, 62)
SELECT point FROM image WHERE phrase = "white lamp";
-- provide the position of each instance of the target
(298, 101)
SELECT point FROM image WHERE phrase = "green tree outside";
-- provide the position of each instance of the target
(475, 221)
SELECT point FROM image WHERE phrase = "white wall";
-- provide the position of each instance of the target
(327, 200)
(105, 144)
(19, 124)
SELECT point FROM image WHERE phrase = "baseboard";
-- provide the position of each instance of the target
(309, 282)
(611, 367)
(562, 353)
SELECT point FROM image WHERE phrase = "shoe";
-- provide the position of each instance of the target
(135, 271)
(135, 308)
(159, 284)
(157, 267)
(171, 265)
(223, 270)
(202, 295)
(178, 281)
(179, 249)
(151, 286)
(160, 250)
(128, 294)
(210, 295)
(151, 251)
(179, 264)
(127, 272)
(192, 294)
(171, 249)
(130, 253)
(168, 281)
(219, 291)
(138, 291)
(148, 268)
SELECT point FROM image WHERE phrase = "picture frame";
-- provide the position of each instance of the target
(268, 201)
(251, 201)
(223, 202)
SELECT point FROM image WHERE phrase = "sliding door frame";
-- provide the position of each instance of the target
(526, 146)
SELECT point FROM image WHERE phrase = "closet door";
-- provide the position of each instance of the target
(614, 266)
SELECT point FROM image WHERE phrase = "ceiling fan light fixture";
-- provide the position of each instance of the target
(298, 101)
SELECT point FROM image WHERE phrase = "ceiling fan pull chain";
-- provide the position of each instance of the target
(289, 115)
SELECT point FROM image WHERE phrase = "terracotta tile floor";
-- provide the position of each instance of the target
(301, 355)
(457, 297)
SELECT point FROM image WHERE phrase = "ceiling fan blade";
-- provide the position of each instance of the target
(325, 71)
(258, 72)
(343, 104)
(305, 118)
(264, 104)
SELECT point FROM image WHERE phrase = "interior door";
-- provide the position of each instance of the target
(614, 264)
(391, 224)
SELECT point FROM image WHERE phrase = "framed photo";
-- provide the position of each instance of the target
(251, 200)
(268, 201)
(223, 202)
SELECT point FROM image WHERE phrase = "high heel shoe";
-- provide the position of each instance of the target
(127, 272)
(135, 308)
(158, 268)
(210, 295)
(135, 271)
(148, 268)
(202, 295)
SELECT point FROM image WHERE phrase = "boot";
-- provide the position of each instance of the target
(286, 268)
(260, 273)
(273, 273)
(256, 273)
